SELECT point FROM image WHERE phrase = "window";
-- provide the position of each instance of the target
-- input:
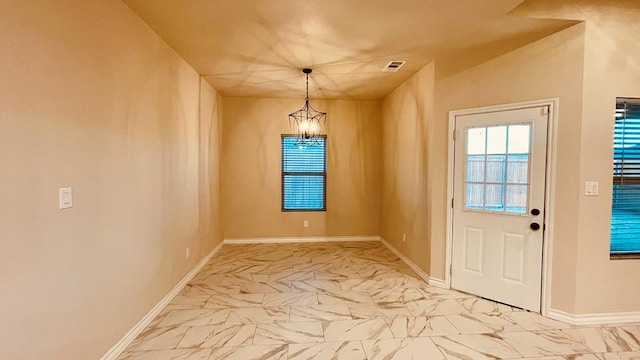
(625, 213)
(304, 175)
(497, 171)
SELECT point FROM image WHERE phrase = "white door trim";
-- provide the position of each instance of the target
(547, 247)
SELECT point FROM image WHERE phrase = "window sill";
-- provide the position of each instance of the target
(303, 210)
(624, 256)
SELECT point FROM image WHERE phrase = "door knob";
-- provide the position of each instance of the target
(534, 226)
(535, 212)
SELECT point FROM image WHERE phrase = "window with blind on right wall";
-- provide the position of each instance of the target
(625, 211)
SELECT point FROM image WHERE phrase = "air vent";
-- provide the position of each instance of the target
(393, 66)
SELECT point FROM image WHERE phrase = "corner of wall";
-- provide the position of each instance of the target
(406, 197)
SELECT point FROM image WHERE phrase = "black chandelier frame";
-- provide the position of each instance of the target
(307, 124)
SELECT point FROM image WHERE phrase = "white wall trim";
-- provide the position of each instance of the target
(595, 319)
(438, 283)
(550, 205)
(450, 170)
(126, 340)
(547, 249)
(408, 261)
(278, 240)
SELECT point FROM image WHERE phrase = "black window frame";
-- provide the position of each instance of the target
(320, 174)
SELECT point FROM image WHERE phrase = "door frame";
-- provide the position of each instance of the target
(549, 197)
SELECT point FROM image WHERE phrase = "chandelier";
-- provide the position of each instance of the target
(307, 123)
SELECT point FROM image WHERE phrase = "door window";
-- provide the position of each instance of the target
(497, 168)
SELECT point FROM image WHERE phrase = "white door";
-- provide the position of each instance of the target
(498, 205)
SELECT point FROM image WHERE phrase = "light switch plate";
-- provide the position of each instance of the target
(591, 188)
(65, 196)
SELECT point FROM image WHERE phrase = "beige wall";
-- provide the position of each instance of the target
(549, 68)
(406, 136)
(586, 67)
(251, 178)
(612, 68)
(91, 98)
(415, 147)
(210, 154)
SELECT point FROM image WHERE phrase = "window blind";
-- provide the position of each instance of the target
(304, 173)
(625, 215)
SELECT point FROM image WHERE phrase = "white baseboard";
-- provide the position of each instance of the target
(595, 319)
(126, 340)
(438, 283)
(279, 240)
(406, 260)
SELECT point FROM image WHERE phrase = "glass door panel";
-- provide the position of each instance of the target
(497, 168)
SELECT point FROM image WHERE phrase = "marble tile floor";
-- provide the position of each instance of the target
(352, 300)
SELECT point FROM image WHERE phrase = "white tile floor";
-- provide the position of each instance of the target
(352, 300)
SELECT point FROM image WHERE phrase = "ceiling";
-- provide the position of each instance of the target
(257, 48)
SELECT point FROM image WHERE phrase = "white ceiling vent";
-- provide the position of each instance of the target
(393, 66)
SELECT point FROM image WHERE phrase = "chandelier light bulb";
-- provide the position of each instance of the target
(307, 123)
